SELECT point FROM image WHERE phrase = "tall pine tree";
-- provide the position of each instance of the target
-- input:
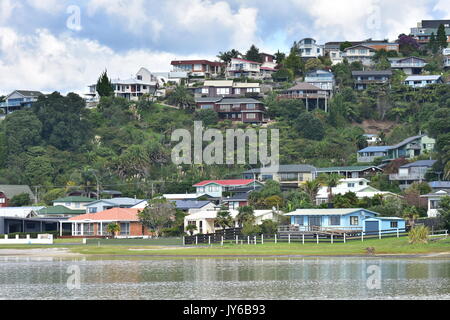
(441, 37)
(104, 85)
(253, 54)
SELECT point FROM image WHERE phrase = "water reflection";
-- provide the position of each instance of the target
(248, 278)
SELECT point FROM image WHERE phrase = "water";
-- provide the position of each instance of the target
(249, 278)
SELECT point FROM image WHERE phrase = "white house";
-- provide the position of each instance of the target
(434, 202)
(238, 68)
(73, 203)
(423, 81)
(359, 186)
(204, 220)
(309, 48)
(19, 99)
(215, 188)
(360, 53)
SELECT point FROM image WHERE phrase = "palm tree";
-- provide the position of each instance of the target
(311, 188)
(191, 228)
(224, 219)
(412, 214)
(331, 181)
(181, 97)
(113, 229)
(245, 215)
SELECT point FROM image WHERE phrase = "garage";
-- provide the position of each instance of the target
(372, 227)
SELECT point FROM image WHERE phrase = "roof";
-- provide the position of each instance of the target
(114, 214)
(243, 196)
(237, 182)
(360, 45)
(439, 184)
(238, 100)
(421, 78)
(246, 84)
(420, 163)
(373, 72)
(182, 196)
(182, 62)
(440, 193)
(285, 168)
(244, 60)
(327, 212)
(351, 168)
(74, 199)
(59, 210)
(375, 149)
(19, 212)
(406, 58)
(118, 201)
(207, 99)
(406, 141)
(212, 214)
(11, 190)
(190, 204)
(27, 93)
(303, 86)
(218, 83)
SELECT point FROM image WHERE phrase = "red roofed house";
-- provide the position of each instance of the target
(215, 188)
(198, 68)
(95, 224)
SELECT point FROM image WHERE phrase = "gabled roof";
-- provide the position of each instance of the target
(117, 201)
(406, 141)
(243, 196)
(348, 169)
(439, 184)
(421, 78)
(327, 212)
(360, 45)
(115, 214)
(182, 62)
(26, 93)
(74, 199)
(244, 60)
(19, 212)
(285, 168)
(11, 190)
(227, 183)
(420, 163)
(375, 149)
(440, 193)
(304, 86)
(190, 204)
(372, 73)
(56, 210)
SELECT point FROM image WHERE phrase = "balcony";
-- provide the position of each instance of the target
(410, 176)
(407, 65)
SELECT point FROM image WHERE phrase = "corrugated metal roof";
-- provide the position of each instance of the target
(285, 168)
(375, 149)
(11, 190)
(326, 212)
(420, 163)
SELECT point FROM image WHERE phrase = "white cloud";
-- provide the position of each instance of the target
(49, 6)
(6, 9)
(46, 62)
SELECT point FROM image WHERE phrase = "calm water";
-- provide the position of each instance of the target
(322, 278)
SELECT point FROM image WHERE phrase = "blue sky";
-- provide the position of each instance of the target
(43, 47)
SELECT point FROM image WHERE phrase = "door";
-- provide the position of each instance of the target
(372, 227)
(314, 222)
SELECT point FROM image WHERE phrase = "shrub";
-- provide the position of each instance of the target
(419, 234)
(250, 229)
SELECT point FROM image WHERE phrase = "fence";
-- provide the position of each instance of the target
(137, 242)
(234, 236)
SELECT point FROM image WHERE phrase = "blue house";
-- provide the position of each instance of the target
(105, 204)
(19, 99)
(351, 219)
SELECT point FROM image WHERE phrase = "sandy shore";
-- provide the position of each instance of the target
(50, 252)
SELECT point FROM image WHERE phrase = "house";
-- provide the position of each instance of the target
(227, 88)
(409, 65)
(289, 176)
(423, 81)
(434, 202)
(347, 219)
(205, 220)
(351, 171)
(217, 188)
(411, 147)
(18, 224)
(313, 96)
(168, 78)
(20, 212)
(363, 79)
(369, 154)
(59, 212)
(96, 224)
(73, 202)
(422, 33)
(359, 186)
(189, 206)
(412, 172)
(19, 99)
(199, 68)
(372, 139)
(268, 66)
(246, 110)
(309, 48)
(242, 68)
(237, 200)
(183, 196)
(131, 89)
(439, 185)
(322, 79)
(105, 204)
(8, 191)
(360, 53)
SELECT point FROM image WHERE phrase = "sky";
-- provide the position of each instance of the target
(63, 45)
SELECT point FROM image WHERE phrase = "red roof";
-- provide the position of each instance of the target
(239, 182)
(183, 62)
(114, 214)
(246, 60)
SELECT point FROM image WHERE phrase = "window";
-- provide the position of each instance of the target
(223, 90)
(351, 185)
(298, 220)
(251, 106)
(354, 221)
(92, 210)
(435, 204)
(77, 205)
(237, 91)
(2, 200)
(125, 229)
(200, 229)
(394, 224)
(335, 220)
(251, 116)
(205, 90)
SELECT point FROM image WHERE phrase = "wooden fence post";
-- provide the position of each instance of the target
(398, 233)
(289, 238)
(317, 238)
(262, 238)
(379, 234)
(237, 239)
(303, 238)
(275, 238)
(196, 240)
(362, 236)
(184, 240)
(344, 237)
(255, 240)
(222, 241)
(248, 239)
(331, 238)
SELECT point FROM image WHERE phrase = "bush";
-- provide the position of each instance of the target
(269, 227)
(419, 234)
(250, 229)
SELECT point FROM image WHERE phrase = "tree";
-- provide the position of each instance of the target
(279, 57)
(224, 219)
(157, 215)
(441, 37)
(245, 215)
(411, 214)
(22, 129)
(113, 229)
(345, 45)
(444, 211)
(228, 55)
(269, 227)
(191, 228)
(433, 44)
(181, 97)
(294, 62)
(282, 75)
(408, 45)
(314, 64)
(209, 117)
(20, 200)
(311, 188)
(253, 54)
(309, 126)
(330, 180)
(104, 85)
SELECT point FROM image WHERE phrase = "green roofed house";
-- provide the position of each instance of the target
(74, 202)
(351, 172)
(59, 212)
